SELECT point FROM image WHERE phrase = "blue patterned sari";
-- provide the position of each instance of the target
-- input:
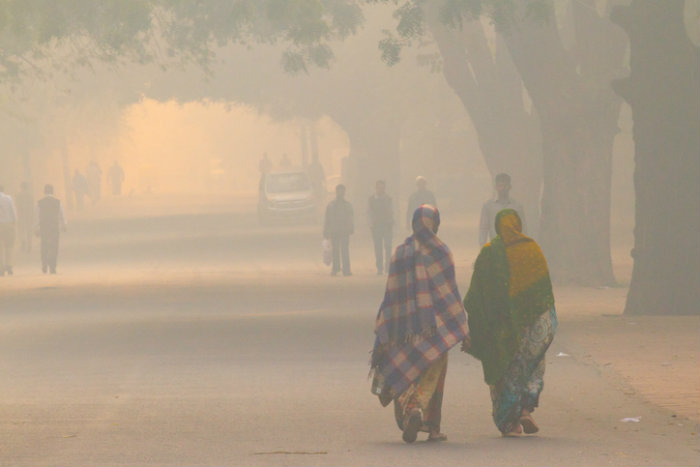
(520, 387)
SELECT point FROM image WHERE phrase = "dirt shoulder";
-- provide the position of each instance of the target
(654, 357)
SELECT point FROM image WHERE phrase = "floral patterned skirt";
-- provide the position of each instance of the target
(522, 383)
(425, 394)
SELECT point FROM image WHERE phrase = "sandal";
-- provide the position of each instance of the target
(437, 437)
(528, 424)
(411, 425)
(515, 432)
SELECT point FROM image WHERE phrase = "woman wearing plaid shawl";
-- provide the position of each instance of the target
(512, 320)
(419, 320)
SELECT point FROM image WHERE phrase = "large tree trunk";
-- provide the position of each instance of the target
(374, 155)
(663, 91)
(575, 223)
(491, 91)
(304, 139)
(578, 120)
(67, 180)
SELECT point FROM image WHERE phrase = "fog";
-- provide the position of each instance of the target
(193, 315)
(179, 130)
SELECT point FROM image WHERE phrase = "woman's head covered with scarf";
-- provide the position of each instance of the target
(426, 221)
(509, 227)
(421, 315)
(510, 289)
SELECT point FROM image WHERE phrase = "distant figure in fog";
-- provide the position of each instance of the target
(318, 178)
(339, 224)
(495, 205)
(8, 220)
(80, 189)
(285, 163)
(116, 177)
(420, 319)
(512, 322)
(94, 177)
(380, 213)
(265, 165)
(50, 222)
(419, 197)
(25, 216)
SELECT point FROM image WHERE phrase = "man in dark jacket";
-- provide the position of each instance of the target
(51, 221)
(380, 213)
(338, 226)
(81, 189)
(25, 216)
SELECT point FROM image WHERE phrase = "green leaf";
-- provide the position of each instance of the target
(390, 47)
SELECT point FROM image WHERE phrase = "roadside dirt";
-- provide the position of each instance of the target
(656, 356)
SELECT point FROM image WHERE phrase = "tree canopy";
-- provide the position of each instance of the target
(32, 31)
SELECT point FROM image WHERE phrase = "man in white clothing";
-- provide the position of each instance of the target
(8, 219)
(487, 227)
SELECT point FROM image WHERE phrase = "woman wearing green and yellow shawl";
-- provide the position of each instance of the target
(512, 321)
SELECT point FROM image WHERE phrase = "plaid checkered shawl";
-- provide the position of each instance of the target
(421, 316)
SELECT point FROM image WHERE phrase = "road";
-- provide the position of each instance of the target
(207, 340)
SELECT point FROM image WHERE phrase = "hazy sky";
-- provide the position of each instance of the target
(200, 146)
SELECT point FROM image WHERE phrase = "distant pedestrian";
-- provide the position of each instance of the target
(380, 212)
(318, 178)
(265, 165)
(338, 226)
(419, 197)
(116, 177)
(285, 162)
(81, 189)
(8, 220)
(420, 319)
(512, 321)
(25, 216)
(495, 205)
(50, 222)
(94, 178)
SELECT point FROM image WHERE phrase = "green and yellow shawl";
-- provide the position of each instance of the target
(509, 289)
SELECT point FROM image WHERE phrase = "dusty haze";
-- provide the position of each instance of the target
(187, 324)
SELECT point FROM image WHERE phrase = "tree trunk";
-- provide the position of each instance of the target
(578, 121)
(575, 223)
(27, 168)
(67, 181)
(491, 91)
(374, 155)
(303, 136)
(663, 90)
(313, 141)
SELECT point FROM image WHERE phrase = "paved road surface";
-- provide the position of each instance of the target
(201, 340)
